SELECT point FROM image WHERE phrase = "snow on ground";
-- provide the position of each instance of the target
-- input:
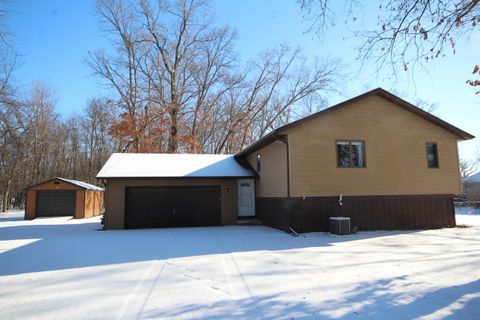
(468, 216)
(59, 268)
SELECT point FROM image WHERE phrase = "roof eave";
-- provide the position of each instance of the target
(463, 135)
(53, 179)
(175, 178)
(272, 136)
(262, 142)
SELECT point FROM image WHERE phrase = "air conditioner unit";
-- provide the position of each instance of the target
(340, 225)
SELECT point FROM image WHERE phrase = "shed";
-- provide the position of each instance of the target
(64, 197)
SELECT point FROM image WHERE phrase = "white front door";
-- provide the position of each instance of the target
(246, 197)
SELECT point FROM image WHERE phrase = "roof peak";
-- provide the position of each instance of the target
(273, 135)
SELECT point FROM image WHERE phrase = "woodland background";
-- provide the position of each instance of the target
(174, 84)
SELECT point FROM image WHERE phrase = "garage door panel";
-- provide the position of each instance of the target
(160, 207)
(55, 203)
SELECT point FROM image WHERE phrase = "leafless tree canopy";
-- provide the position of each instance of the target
(468, 167)
(408, 31)
(37, 144)
(175, 85)
(180, 87)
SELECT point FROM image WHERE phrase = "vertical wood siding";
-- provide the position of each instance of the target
(366, 212)
(93, 203)
(80, 205)
(31, 204)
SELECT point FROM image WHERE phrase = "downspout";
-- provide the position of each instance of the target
(105, 202)
(290, 209)
(284, 139)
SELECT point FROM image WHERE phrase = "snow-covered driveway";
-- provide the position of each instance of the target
(56, 268)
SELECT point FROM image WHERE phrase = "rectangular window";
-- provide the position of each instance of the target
(351, 154)
(432, 155)
(259, 162)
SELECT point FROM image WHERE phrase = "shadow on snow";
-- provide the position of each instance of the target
(76, 245)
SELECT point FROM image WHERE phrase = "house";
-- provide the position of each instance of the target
(375, 158)
(63, 197)
(471, 187)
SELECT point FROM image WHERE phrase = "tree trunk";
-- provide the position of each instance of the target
(172, 139)
(6, 197)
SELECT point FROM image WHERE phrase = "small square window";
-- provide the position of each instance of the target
(259, 162)
(351, 154)
(432, 155)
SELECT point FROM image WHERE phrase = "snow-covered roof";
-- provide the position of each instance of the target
(81, 184)
(163, 165)
(473, 178)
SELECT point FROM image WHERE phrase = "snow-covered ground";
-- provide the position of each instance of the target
(58, 268)
(468, 216)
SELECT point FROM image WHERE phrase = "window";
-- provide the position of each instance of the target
(351, 154)
(432, 155)
(259, 162)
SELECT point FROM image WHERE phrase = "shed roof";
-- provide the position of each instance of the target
(277, 133)
(82, 184)
(164, 165)
(77, 183)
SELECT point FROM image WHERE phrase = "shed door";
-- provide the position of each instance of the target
(55, 203)
(163, 207)
(246, 198)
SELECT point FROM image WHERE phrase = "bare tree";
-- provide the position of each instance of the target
(120, 71)
(468, 167)
(191, 60)
(8, 57)
(429, 107)
(475, 82)
(408, 31)
(190, 93)
(12, 145)
(96, 145)
(274, 84)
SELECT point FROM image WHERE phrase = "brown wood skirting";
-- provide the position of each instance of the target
(366, 212)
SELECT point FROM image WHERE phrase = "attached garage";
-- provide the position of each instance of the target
(64, 197)
(172, 190)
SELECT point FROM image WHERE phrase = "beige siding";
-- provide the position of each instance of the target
(93, 203)
(273, 181)
(395, 143)
(80, 205)
(115, 197)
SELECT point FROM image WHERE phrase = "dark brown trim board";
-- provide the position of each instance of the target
(386, 212)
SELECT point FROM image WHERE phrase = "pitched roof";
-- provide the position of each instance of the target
(475, 178)
(163, 165)
(81, 184)
(276, 133)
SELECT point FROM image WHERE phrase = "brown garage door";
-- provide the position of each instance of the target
(55, 203)
(163, 207)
